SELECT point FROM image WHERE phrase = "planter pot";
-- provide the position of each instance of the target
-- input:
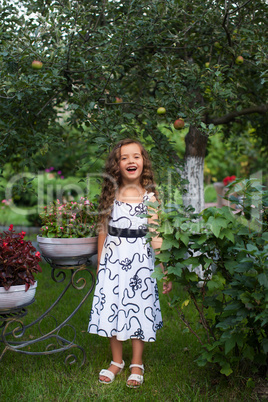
(16, 296)
(220, 190)
(69, 251)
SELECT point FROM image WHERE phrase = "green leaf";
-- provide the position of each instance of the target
(249, 352)
(229, 234)
(216, 282)
(185, 239)
(166, 228)
(202, 239)
(167, 244)
(263, 280)
(251, 247)
(158, 273)
(229, 345)
(216, 225)
(265, 345)
(226, 369)
(265, 236)
(180, 253)
(235, 339)
(190, 276)
(193, 261)
(164, 256)
(185, 303)
(176, 270)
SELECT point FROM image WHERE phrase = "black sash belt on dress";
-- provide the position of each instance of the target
(120, 232)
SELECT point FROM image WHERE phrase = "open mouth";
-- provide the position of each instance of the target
(131, 168)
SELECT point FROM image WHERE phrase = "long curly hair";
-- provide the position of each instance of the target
(112, 178)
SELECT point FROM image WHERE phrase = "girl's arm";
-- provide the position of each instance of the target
(101, 239)
(156, 243)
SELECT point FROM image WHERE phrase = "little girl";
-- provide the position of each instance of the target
(125, 304)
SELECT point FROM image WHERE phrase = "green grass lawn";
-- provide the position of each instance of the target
(171, 373)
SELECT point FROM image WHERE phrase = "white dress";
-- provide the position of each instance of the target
(126, 303)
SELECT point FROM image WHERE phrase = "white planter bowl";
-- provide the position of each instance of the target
(16, 296)
(69, 251)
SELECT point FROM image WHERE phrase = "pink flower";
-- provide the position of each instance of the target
(61, 228)
(37, 254)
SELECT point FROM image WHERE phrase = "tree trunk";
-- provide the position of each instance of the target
(196, 144)
(195, 151)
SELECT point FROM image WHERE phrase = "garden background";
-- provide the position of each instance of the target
(106, 68)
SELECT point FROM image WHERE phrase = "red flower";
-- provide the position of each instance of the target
(10, 227)
(228, 179)
(37, 254)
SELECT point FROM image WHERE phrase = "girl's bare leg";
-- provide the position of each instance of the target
(117, 353)
(137, 351)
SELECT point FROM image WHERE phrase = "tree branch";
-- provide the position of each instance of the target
(50, 100)
(238, 8)
(225, 23)
(228, 118)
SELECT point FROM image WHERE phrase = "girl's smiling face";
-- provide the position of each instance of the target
(131, 163)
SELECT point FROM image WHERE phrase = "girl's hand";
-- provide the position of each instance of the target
(167, 287)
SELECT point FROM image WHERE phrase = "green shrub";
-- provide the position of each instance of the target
(32, 190)
(231, 294)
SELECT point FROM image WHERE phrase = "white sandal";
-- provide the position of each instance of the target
(135, 377)
(109, 374)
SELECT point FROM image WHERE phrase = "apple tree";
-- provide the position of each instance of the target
(106, 67)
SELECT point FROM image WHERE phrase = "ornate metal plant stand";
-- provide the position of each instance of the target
(13, 328)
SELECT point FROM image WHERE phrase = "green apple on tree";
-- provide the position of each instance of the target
(37, 64)
(207, 64)
(179, 123)
(239, 60)
(161, 110)
(218, 45)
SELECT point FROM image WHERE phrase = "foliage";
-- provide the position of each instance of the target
(70, 219)
(220, 257)
(19, 260)
(28, 189)
(149, 54)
